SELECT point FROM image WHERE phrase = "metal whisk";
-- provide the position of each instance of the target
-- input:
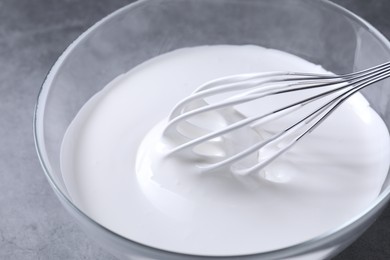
(326, 93)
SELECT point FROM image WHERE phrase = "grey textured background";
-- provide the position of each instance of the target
(33, 224)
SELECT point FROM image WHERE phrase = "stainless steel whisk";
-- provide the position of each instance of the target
(333, 90)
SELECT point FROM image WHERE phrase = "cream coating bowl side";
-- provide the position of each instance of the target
(318, 31)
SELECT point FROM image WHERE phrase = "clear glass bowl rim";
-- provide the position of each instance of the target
(307, 246)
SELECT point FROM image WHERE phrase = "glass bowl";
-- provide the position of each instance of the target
(318, 31)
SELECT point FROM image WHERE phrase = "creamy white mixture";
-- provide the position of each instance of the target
(115, 173)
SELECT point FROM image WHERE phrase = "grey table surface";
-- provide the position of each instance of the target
(33, 224)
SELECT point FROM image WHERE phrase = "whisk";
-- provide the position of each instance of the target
(240, 89)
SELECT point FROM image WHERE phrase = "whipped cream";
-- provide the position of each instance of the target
(115, 169)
